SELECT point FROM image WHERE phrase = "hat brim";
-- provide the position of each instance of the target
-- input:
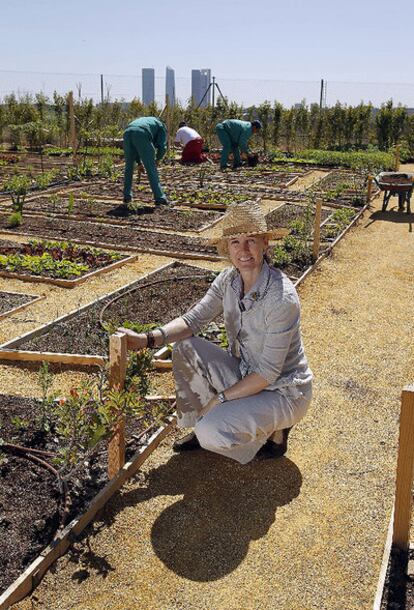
(272, 234)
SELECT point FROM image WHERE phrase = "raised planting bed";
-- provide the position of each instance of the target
(78, 205)
(155, 299)
(284, 215)
(12, 302)
(60, 263)
(113, 236)
(337, 222)
(342, 187)
(34, 501)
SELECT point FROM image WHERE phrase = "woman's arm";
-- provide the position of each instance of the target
(175, 330)
(248, 386)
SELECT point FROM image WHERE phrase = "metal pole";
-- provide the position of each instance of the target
(214, 87)
(102, 89)
(321, 96)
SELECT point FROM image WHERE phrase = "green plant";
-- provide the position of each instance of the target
(54, 199)
(44, 180)
(18, 187)
(14, 220)
(71, 203)
(19, 423)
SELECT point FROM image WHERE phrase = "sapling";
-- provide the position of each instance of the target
(18, 187)
(71, 203)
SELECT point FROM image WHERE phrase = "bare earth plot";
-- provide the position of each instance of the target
(199, 532)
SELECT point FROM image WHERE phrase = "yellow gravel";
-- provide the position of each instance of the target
(197, 531)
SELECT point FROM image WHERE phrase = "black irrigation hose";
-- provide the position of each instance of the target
(28, 449)
(29, 454)
(120, 296)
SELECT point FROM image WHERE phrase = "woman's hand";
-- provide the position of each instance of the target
(213, 402)
(134, 340)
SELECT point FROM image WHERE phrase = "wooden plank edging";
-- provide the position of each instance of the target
(32, 576)
(330, 248)
(31, 334)
(38, 279)
(384, 565)
(107, 246)
(20, 307)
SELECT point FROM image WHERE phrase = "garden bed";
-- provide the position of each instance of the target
(155, 299)
(342, 187)
(30, 500)
(137, 214)
(115, 237)
(11, 302)
(287, 213)
(60, 263)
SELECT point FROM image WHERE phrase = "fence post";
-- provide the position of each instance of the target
(168, 121)
(405, 465)
(117, 371)
(369, 188)
(317, 230)
(73, 141)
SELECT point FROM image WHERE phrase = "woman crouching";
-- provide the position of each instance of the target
(243, 401)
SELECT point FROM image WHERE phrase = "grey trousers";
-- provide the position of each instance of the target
(237, 428)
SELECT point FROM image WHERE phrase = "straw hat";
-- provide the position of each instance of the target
(244, 218)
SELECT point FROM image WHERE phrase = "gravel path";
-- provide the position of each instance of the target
(198, 532)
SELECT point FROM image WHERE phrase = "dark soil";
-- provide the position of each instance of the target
(281, 217)
(160, 303)
(9, 300)
(92, 258)
(135, 214)
(399, 587)
(29, 494)
(110, 236)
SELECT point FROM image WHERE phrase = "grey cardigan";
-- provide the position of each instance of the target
(263, 327)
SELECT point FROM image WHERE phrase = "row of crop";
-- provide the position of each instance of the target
(38, 120)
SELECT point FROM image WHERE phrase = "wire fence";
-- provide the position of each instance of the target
(246, 92)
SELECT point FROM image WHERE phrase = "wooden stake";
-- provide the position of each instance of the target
(405, 466)
(369, 189)
(317, 230)
(117, 372)
(168, 121)
(73, 140)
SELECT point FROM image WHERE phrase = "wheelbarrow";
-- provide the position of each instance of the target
(396, 183)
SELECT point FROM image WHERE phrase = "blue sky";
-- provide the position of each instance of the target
(252, 43)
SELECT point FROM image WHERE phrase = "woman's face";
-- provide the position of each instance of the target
(246, 252)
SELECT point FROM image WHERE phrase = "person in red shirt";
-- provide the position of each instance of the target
(192, 144)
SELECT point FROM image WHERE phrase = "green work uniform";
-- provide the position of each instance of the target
(234, 136)
(142, 138)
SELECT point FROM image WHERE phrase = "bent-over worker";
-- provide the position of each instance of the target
(192, 144)
(242, 401)
(145, 143)
(234, 136)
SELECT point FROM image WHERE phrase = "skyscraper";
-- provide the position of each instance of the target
(148, 85)
(170, 86)
(200, 80)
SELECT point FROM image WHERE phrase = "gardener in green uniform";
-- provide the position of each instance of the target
(145, 142)
(234, 136)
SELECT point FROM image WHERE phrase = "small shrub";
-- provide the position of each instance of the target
(14, 220)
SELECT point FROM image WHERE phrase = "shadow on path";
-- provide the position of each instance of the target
(206, 534)
(392, 215)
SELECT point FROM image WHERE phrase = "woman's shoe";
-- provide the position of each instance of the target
(189, 442)
(274, 450)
